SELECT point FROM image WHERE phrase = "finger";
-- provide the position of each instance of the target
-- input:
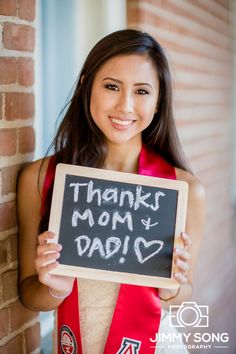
(45, 260)
(183, 266)
(45, 271)
(186, 239)
(47, 235)
(48, 247)
(182, 279)
(182, 254)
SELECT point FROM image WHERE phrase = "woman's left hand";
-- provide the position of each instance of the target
(181, 259)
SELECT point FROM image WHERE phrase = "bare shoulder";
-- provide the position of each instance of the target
(32, 176)
(197, 210)
(196, 188)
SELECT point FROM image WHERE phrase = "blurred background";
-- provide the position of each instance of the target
(43, 44)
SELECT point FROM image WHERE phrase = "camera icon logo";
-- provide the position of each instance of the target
(199, 315)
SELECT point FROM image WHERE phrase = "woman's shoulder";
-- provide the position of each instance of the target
(196, 188)
(33, 174)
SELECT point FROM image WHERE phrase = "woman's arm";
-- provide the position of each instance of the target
(32, 258)
(187, 257)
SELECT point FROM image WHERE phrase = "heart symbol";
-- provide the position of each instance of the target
(146, 245)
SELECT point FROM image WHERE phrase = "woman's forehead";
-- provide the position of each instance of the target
(139, 66)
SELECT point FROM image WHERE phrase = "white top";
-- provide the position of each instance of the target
(97, 301)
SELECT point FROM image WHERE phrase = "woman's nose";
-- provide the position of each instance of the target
(125, 103)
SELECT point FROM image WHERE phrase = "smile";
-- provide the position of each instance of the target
(121, 121)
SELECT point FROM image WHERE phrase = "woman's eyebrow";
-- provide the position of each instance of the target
(112, 78)
(120, 82)
(143, 84)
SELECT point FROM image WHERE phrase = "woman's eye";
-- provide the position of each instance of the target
(111, 87)
(142, 92)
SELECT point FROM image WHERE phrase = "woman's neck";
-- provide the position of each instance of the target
(123, 157)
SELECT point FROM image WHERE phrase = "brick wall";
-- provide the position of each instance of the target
(197, 37)
(19, 328)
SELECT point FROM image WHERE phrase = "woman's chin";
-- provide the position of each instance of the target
(119, 141)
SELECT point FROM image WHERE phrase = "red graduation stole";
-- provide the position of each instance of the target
(137, 313)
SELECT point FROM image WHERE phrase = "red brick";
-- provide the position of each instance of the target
(9, 176)
(8, 7)
(32, 337)
(13, 249)
(26, 139)
(134, 15)
(27, 9)
(8, 216)
(14, 346)
(9, 285)
(7, 142)
(224, 3)
(18, 37)
(8, 72)
(4, 246)
(25, 71)
(19, 105)
(1, 106)
(4, 320)
(20, 315)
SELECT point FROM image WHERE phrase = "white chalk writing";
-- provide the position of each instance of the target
(117, 218)
(146, 244)
(115, 208)
(81, 250)
(113, 246)
(147, 223)
(86, 215)
(112, 242)
(103, 219)
(97, 246)
(111, 194)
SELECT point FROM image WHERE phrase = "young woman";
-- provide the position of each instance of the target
(119, 118)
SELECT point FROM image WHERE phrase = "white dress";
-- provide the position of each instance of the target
(97, 301)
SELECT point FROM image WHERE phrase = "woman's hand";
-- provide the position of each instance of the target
(46, 260)
(181, 259)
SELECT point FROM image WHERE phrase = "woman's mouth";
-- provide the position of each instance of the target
(121, 122)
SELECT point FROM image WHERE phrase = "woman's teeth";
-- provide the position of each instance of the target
(121, 122)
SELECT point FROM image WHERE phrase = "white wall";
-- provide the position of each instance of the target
(66, 31)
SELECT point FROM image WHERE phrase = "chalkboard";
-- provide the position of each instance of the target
(117, 226)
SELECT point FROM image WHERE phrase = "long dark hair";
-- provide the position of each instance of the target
(79, 141)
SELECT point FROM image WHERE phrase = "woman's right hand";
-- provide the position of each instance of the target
(46, 260)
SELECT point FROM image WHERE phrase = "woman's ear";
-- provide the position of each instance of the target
(81, 79)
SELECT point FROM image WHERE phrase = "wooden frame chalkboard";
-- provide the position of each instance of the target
(117, 226)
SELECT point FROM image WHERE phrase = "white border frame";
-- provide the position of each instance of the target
(129, 278)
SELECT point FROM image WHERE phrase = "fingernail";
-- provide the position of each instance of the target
(177, 274)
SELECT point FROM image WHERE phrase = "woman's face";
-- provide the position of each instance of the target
(124, 97)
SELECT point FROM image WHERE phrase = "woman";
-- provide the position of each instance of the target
(119, 118)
